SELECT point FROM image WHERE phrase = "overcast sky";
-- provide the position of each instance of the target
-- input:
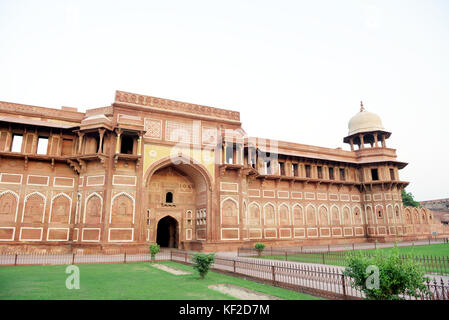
(296, 70)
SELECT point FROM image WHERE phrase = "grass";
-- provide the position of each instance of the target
(338, 259)
(122, 281)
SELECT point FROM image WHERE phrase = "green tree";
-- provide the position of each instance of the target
(408, 200)
(154, 249)
(203, 263)
(259, 247)
(395, 276)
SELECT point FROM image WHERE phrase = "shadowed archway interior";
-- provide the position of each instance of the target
(167, 232)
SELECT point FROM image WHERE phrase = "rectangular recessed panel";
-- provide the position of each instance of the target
(7, 234)
(30, 234)
(58, 234)
(11, 178)
(121, 235)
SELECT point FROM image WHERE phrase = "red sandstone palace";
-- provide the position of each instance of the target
(146, 170)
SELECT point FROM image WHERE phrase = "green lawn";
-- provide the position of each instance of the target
(338, 259)
(123, 281)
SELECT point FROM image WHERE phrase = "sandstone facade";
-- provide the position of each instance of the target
(146, 170)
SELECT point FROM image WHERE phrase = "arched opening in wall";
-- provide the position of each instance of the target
(169, 197)
(127, 145)
(178, 186)
(167, 232)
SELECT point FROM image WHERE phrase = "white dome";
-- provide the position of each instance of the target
(364, 121)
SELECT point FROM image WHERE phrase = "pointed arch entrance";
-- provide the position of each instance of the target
(167, 232)
(178, 196)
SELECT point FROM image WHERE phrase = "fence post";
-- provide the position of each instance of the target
(323, 258)
(171, 255)
(15, 260)
(238, 252)
(273, 275)
(328, 247)
(234, 266)
(124, 257)
(343, 285)
(186, 256)
(286, 256)
(73, 258)
(353, 247)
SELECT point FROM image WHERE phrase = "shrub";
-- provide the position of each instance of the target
(154, 249)
(203, 262)
(396, 276)
(259, 247)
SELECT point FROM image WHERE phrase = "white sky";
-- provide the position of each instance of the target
(296, 70)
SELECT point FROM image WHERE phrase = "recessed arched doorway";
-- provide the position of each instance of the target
(167, 232)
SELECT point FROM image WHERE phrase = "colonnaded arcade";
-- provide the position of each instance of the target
(145, 170)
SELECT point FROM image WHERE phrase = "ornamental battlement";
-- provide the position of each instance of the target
(172, 105)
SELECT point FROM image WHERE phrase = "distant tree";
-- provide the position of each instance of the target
(408, 200)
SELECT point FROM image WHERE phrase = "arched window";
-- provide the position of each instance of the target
(169, 197)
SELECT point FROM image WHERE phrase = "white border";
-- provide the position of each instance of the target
(25, 202)
(275, 214)
(124, 184)
(132, 234)
(13, 233)
(97, 184)
(48, 233)
(93, 194)
(61, 194)
(62, 186)
(11, 174)
(99, 234)
(222, 185)
(34, 184)
(17, 201)
(221, 209)
(20, 234)
(299, 237)
(312, 228)
(289, 231)
(265, 233)
(238, 234)
(124, 194)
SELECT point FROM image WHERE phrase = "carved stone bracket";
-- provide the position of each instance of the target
(74, 166)
(83, 165)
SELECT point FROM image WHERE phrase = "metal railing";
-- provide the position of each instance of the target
(324, 281)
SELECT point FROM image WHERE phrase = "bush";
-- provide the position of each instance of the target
(203, 262)
(154, 249)
(259, 247)
(396, 276)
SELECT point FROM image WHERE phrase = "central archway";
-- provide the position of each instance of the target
(167, 232)
(181, 188)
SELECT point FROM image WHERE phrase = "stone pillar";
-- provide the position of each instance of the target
(118, 142)
(376, 140)
(80, 135)
(351, 142)
(100, 144)
(384, 145)
(139, 145)
(361, 141)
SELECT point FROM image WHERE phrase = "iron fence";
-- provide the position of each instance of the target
(325, 281)
(434, 265)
